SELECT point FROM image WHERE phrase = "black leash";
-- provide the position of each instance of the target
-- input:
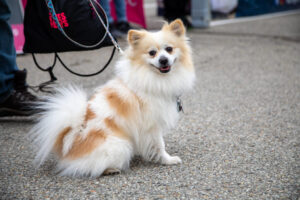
(45, 86)
(48, 69)
(87, 75)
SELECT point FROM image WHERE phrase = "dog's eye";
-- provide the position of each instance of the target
(152, 53)
(169, 49)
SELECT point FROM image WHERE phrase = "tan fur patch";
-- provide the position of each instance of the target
(82, 146)
(186, 58)
(121, 106)
(59, 140)
(136, 98)
(117, 130)
(89, 115)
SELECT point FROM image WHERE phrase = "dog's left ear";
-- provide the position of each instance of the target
(177, 27)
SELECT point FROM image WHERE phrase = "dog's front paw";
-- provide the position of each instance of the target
(171, 160)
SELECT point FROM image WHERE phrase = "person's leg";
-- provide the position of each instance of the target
(121, 10)
(122, 25)
(8, 65)
(14, 97)
(112, 27)
(176, 9)
(105, 5)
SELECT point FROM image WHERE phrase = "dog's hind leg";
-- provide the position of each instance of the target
(114, 153)
(111, 171)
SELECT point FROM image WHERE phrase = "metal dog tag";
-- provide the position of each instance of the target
(179, 105)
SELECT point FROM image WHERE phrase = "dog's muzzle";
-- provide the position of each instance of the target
(164, 65)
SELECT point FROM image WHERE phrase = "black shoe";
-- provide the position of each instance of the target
(20, 102)
(116, 33)
(123, 27)
(186, 22)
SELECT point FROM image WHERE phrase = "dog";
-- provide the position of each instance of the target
(127, 116)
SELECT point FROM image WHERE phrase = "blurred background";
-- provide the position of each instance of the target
(194, 13)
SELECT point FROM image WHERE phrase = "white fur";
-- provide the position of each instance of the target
(67, 108)
(113, 154)
(145, 127)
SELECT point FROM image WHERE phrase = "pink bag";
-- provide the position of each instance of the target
(134, 10)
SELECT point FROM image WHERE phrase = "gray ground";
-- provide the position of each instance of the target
(238, 138)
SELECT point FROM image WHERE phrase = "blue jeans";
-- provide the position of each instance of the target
(8, 63)
(120, 10)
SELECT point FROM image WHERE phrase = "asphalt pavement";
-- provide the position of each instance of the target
(238, 137)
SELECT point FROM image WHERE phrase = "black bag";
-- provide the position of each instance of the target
(52, 26)
(78, 21)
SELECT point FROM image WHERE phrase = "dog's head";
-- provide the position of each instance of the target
(160, 51)
(158, 62)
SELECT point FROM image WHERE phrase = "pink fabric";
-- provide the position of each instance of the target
(134, 8)
(19, 38)
(135, 12)
(24, 2)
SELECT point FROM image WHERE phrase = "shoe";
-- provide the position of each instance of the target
(116, 33)
(219, 15)
(123, 27)
(20, 102)
(186, 22)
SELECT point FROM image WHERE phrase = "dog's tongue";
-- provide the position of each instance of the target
(165, 68)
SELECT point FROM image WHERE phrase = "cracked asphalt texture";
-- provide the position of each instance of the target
(238, 137)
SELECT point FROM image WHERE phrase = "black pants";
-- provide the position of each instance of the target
(175, 9)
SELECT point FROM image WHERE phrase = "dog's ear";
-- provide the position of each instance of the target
(134, 37)
(176, 27)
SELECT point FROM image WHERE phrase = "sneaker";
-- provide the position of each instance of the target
(186, 22)
(116, 33)
(20, 102)
(123, 27)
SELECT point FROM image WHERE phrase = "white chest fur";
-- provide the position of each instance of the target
(159, 112)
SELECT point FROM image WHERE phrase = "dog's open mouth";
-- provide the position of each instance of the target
(165, 69)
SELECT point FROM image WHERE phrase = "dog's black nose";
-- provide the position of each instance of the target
(163, 60)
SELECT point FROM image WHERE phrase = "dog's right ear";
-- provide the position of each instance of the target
(177, 27)
(134, 37)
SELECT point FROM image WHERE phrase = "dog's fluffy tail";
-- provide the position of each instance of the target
(65, 109)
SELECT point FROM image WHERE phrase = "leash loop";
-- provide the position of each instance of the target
(44, 87)
(51, 8)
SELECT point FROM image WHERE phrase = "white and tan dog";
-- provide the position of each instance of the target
(125, 117)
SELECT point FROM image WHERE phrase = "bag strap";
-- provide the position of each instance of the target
(106, 26)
